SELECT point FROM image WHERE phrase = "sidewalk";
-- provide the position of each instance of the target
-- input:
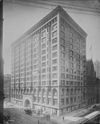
(69, 117)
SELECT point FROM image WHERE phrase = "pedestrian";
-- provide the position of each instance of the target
(63, 117)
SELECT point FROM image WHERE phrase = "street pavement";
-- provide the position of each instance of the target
(20, 117)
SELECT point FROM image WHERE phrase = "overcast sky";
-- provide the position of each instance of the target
(19, 18)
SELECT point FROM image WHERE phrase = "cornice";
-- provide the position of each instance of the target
(53, 13)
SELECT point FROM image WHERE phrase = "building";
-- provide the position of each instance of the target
(49, 65)
(98, 90)
(97, 69)
(91, 83)
(7, 86)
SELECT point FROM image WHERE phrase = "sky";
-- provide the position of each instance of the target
(19, 18)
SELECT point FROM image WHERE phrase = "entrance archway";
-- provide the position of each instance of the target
(27, 104)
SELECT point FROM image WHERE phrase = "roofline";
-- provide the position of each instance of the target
(40, 23)
(54, 12)
(71, 21)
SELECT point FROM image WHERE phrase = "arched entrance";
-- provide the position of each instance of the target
(27, 104)
(27, 101)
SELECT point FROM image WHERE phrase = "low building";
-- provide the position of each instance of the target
(91, 83)
(98, 90)
(97, 69)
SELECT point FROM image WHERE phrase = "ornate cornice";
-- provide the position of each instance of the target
(53, 13)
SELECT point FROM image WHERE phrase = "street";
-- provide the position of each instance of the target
(18, 116)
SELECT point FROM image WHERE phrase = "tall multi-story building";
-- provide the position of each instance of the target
(49, 65)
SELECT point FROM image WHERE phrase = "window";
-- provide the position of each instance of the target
(54, 75)
(62, 92)
(54, 82)
(54, 61)
(63, 82)
(71, 58)
(54, 47)
(54, 26)
(71, 46)
(43, 51)
(54, 101)
(67, 101)
(62, 101)
(43, 64)
(71, 100)
(43, 76)
(54, 54)
(54, 68)
(54, 34)
(43, 58)
(43, 33)
(54, 20)
(62, 28)
(74, 99)
(39, 99)
(62, 62)
(54, 40)
(43, 82)
(62, 55)
(43, 70)
(62, 34)
(63, 76)
(67, 91)
(71, 65)
(71, 53)
(62, 48)
(70, 34)
(49, 100)
(35, 66)
(43, 40)
(43, 45)
(62, 68)
(43, 100)
(63, 42)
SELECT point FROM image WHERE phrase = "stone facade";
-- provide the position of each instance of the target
(49, 63)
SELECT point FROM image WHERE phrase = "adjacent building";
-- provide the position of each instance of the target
(91, 83)
(97, 69)
(7, 86)
(49, 65)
